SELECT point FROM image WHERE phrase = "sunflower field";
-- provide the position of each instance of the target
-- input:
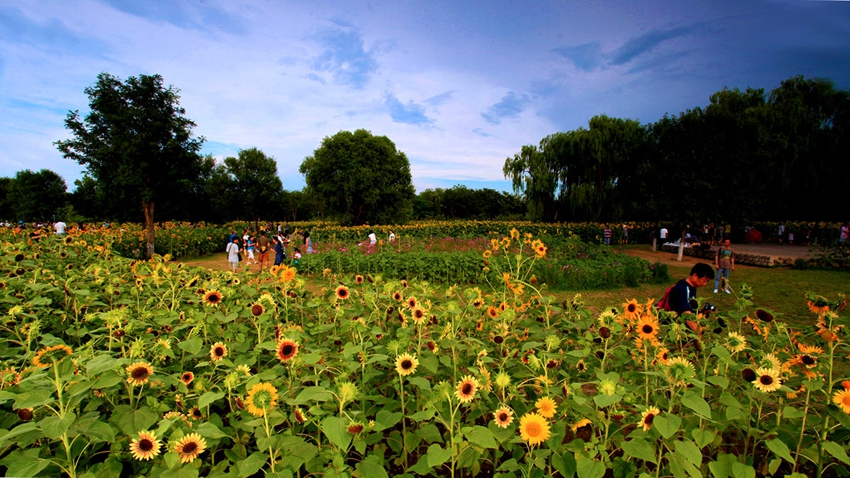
(114, 367)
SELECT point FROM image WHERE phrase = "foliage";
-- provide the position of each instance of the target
(136, 143)
(361, 178)
(115, 367)
(36, 196)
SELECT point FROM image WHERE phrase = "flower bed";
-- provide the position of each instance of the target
(120, 368)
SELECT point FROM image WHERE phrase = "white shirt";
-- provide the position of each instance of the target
(373, 238)
(59, 227)
(663, 233)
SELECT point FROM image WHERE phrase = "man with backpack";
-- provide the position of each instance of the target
(681, 297)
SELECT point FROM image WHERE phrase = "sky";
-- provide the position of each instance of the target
(458, 86)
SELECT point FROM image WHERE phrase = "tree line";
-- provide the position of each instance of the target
(747, 156)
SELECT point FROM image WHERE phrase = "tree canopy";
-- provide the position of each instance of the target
(136, 143)
(361, 178)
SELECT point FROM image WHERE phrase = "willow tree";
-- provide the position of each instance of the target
(135, 142)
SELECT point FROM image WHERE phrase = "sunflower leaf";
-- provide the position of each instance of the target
(209, 398)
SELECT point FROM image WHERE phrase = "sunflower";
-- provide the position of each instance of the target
(355, 428)
(187, 378)
(418, 314)
(261, 397)
(735, 342)
(817, 304)
(767, 380)
(514, 234)
(257, 310)
(486, 254)
(299, 415)
(195, 413)
(9, 377)
(286, 274)
(809, 349)
(842, 399)
(492, 312)
(146, 447)
(358, 279)
(662, 355)
(546, 407)
(503, 417)
(539, 250)
(48, 355)
(189, 447)
(631, 309)
(764, 315)
(680, 370)
(212, 297)
(286, 349)
(647, 328)
(466, 389)
(406, 364)
(770, 361)
(647, 417)
(342, 292)
(411, 302)
(533, 428)
(139, 373)
(477, 302)
(218, 351)
(397, 296)
(584, 422)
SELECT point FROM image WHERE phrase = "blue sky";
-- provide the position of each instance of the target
(457, 85)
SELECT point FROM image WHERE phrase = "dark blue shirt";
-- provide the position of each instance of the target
(680, 297)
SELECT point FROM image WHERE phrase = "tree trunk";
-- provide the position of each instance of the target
(681, 246)
(148, 208)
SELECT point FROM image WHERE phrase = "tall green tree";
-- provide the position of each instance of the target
(256, 186)
(136, 142)
(361, 178)
(35, 196)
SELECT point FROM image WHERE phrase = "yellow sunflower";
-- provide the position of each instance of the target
(842, 399)
(631, 309)
(533, 428)
(492, 312)
(257, 310)
(189, 447)
(187, 378)
(546, 407)
(406, 364)
(647, 328)
(647, 417)
(286, 274)
(139, 373)
(735, 342)
(503, 417)
(218, 351)
(146, 447)
(767, 380)
(342, 292)
(261, 397)
(48, 355)
(466, 389)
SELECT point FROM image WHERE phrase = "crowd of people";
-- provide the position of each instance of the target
(256, 250)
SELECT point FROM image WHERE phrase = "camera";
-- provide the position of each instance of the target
(708, 308)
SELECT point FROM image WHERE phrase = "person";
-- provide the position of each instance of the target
(663, 234)
(780, 233)
(373, 239)
(625, 234)
(606, 234)
(724, 261)
(296, 257)
(684, 292)
(279, 253)
(249, 246)
(232, 236)
(233, 253)
(710, 233)
(245, 237)
(844, 234)
(308, 242)
(392, 236)
(59, 227)
(263, 250)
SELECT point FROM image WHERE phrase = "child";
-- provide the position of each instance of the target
(249, 246)
(296, 257)
(278, 251)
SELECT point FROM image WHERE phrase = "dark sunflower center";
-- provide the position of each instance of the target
(287, 350)
(186, 377)
(466, 389)
(631, 307)
(190, 448)
(766, 380)
(647, 329)
(140, 373)
(808, 360)
(219, 352)
(213, 298)
(503, 417)
(649, 418)
(145, 444)
(406, 364)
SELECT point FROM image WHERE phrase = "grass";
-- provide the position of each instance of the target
(780, 290)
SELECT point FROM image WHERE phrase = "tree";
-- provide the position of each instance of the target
(136, 143)
(256, 186)
(37, 196)
(361, 178)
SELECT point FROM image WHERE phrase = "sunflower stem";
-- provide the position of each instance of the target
(802, 429)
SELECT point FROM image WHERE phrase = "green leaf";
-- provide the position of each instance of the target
(108, 379)
(667, 425)
(480, 436)
(371, 467)
(53, 427)
(781, 450)
(252, 464)
(690, 451)
(385, 419)
(209, 430)
(430, 433)
(420, 383)
(25, 463)
(426, 414)
(314, 394)
(836, 451)
(33, 399)
(606, 400)
(17, 431)
(209, 397)
(641, 449)
(740, 470)
(437, 455)
(133, 421)
(697, 404)
(191, 346)
(702, 437)
(719, 381)
(336, 430)
(100, 431)
(588, 468)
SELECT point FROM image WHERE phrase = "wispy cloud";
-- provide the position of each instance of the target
(587, 56)
(345, 58)
(647, 42)
(411, 113)
(439, 99)
(205, 16)
(511, 105)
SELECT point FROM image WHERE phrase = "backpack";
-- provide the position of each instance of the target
(664, 303)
